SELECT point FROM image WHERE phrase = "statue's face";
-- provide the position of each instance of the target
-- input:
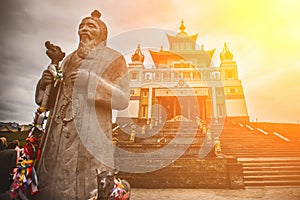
(89, 30)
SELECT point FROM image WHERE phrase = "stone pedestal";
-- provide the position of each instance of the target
(190, 173)
(235, 175)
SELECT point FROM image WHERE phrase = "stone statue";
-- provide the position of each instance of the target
(94, 82)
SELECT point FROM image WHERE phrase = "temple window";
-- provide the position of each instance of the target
(181, 45)
(145, 93)
(186, 75)
(176, 76)
(133, 76)
(144, 111)
(157, 76)
(176, 46)
(229, 74)
(147, 76)
(207, 76)
(132, 92)
(166, 76)
(196, 76)
(232, 90)
(216, 75)
(189, 46)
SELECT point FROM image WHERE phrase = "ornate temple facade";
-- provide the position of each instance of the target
(183, 83)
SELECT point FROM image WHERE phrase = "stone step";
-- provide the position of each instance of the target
(265, 168)
(273, 183)
(254, 139)
(259, 154)
(267, 146)
(258, 151)
(272, 177)
(261, 151)
(254, 156)
(268, 159)
(250, 148)
(156, 145)
(270, 154)
(250, 137)
(271, 172)
(271, 164)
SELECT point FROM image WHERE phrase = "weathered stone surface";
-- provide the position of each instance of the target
(79, 127)
(188, 173)
(235, 175)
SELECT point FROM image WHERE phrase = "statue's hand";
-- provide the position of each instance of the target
(46, 79)
(81, 77)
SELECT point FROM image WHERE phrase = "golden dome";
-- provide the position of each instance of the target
(226, 54)
(182, 28)
(138, 56)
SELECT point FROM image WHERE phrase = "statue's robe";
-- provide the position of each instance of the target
(80, 115)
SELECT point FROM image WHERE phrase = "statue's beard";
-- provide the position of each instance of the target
(85, 48)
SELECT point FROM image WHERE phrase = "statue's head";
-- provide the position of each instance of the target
(92, 29)
(92, 32)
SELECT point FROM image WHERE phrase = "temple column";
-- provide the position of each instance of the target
(214, 101)
(174, 107)
(203, 108)
(159, 108)
(141, 77)
(150, 103)
(189, 108)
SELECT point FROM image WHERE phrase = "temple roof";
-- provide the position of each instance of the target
(182, 37)
(138, 56)
(171, 38)
(161, 57)
(226, 54)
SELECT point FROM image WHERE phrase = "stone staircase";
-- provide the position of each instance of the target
(271, 171)
(186, 134)
(267, 159)
(187, 170)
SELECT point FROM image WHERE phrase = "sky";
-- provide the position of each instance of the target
(262, 35)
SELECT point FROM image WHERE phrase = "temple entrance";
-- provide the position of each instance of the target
(189, 107)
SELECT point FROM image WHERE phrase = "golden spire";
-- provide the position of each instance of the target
(182, 27)
(138, 56)
(226, 54)
(202, 47)
(161, 48)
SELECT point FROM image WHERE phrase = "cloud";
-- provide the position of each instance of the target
(262, 35)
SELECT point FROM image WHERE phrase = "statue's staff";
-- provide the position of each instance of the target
(35, 139)
(56, 55)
